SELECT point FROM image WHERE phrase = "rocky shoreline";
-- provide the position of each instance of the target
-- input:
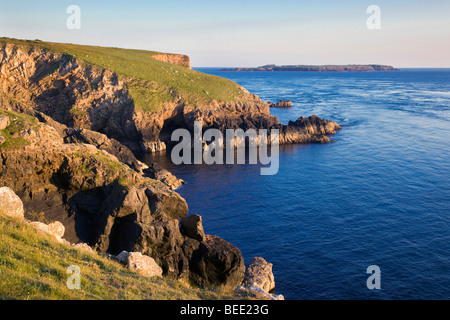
(67, 149)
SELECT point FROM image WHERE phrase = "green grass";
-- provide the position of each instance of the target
(151, 83)
(18, 121)
(33, 265)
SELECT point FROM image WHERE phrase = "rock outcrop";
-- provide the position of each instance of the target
(177, 59)
(192, 227)
(259, 281)
(106, 204)
(281, 104)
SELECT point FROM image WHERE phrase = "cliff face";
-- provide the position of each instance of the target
(67, 132)
(83, 96)
(177, 59)
(105, 203)
(69, 91)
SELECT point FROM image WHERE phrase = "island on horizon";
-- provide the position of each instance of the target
(320, 68)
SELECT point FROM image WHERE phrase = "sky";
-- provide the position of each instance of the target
(250, 33)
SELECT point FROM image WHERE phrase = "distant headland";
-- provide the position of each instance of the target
(322, 68)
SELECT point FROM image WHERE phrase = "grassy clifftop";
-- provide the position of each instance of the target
(33, 265)
(150, 82)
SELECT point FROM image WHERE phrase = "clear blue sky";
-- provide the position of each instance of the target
(248, 33)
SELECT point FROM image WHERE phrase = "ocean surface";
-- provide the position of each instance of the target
(378, 195)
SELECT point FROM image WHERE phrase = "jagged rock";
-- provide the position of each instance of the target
(259, 273)
(153, 146)
(155, 171)
(2, 139)
(140, 263)
(4, 122)
(256, 292)
(192, 227)
(177, 59)
(168, 202)
(10, 203)
(101, 141)
(217, 262)
(281, 104)
(315, 126)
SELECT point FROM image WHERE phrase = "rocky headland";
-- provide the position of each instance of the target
(69, 131)
(318, 68)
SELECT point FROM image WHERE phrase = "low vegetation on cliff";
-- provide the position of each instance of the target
(34, 265)
(70, 118)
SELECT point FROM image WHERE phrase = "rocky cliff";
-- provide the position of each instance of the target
(84, 96)
(105, 203)
(177, 59)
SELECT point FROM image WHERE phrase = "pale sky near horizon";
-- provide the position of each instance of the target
(248, 33)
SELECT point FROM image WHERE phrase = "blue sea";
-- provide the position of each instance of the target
(378, 195)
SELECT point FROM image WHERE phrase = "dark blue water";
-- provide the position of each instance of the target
(379, 195)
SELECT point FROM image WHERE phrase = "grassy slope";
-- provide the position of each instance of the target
(33, 265)
(150, 82)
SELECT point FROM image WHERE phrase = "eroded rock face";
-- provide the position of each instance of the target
(192, 227)
(217, 262)
(104, 203)
(67, 90)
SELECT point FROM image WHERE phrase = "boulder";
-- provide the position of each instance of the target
(192, 227)
(155, 171)
(166, 202)
(140, 263)
(315, 125)
(10, 203)
(281, 104)
(259, 273)
(217, 262)
(4, 122)
(55, 229)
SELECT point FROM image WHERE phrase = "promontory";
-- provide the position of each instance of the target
(317, 68)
